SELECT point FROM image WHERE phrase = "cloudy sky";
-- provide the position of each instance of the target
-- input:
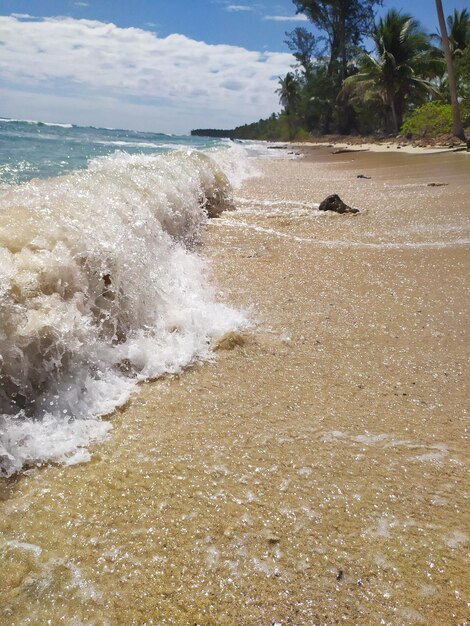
(148, 64)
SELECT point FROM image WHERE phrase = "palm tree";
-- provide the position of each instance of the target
(288, 92)
(457, 127)
(459, 31)
(398, 70)
(289, 97)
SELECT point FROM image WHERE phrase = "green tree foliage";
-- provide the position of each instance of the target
(429, 119)
(344, 24)
(433, 118)
(337, 87)
(458, 26)
(462, 69)
(324, 61)
(275, 128)
(399, 71)
(289, 97)
(288, 92)
(304, 46)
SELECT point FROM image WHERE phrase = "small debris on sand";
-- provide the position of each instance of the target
(343, 150)
(230, 341)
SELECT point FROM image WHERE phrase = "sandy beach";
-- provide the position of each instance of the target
(315, 472)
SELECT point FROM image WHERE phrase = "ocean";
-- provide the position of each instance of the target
(102, 284)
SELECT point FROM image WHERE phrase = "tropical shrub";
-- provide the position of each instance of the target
(431, 118)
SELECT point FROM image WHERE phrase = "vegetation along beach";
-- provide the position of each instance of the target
(234, 364)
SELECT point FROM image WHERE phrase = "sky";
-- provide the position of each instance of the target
(154, 65)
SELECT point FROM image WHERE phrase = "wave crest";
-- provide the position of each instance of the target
(100, 288)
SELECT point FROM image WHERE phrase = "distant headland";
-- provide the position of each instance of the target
(213, 132)
(274, 128)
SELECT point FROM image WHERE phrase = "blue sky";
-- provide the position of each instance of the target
(152, 64)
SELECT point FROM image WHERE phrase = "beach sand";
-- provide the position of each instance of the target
(315, 471)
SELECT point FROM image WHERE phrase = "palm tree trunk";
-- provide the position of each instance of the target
(394, 116)
(457, 127)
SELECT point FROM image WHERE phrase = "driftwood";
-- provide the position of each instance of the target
(343, 150)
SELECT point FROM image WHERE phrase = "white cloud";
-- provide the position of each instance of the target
(110, 112)
(82, 4)
(234, 8)
(187, 81)
(286, 18)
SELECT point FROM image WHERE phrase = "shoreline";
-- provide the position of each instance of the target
(356, 144)
(315, 470)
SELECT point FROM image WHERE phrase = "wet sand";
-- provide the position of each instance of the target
(315, 471)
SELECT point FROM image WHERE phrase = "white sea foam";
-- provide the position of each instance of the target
(100, 288)
(131, 144)
(57, 124)
(333, 243)
(265, 150)
(234, 162)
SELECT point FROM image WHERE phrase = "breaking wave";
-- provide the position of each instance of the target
(101, 287)
(35, 122)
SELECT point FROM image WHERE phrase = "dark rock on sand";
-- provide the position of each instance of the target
(334, 203)
(215, 203)
(437, 184)
(363, 176)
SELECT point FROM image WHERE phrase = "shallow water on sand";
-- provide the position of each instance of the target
(313, 474)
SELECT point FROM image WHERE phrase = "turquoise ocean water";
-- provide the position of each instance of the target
(31, 149)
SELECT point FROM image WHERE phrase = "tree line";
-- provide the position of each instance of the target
(362, 75)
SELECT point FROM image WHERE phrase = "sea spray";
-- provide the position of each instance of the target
(100, 287)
